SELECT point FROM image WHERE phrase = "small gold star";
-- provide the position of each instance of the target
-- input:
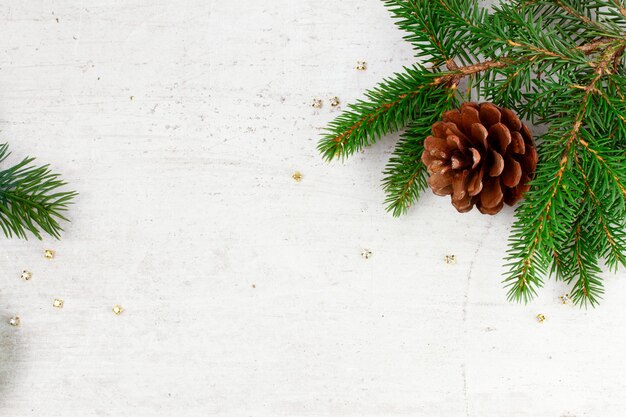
(14, 321)
(565, 299)
(317, 103)
(541, 318)
(132, 98)
(49, 254)
(58, 303)
(361, 66)
(117, 309)
(334, 102)
(450, 259)
(26, 275)
(297, 176)
(366, 254)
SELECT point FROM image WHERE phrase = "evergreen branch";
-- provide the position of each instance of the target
(615, 238)
(454, 76)
(611, 173)
(620, 7)
(572, 11)
(391, 106)
(523, 275)
(529, 246)
(427, 31)
(588, 288)
(405, 175)
(559, 62)
(30, 200)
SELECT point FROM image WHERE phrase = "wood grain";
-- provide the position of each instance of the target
(245, 292)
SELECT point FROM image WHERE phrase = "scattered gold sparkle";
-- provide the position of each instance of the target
(541, 318)
(117, 309)
(26, 275)
(366, 254)
(565, 299)
(132, 98)
(334, 102)
(253, 285)
(49, 254)
(317, 103)
(361, 66)
(297, 176)
(450, 259)
(57, 303)
(14, 321)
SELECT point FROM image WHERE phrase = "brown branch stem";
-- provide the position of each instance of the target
(457, 73)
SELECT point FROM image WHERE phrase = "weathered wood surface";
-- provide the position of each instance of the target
(245, 292)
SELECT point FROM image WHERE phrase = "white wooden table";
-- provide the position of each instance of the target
(180, 123)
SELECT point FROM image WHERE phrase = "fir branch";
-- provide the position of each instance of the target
(613, 171)
(405, 175)
(588, 287)
(571, 10)
(559, 62)
(390, 106)
(610, 213)
(528, 239)
(530, 242)
(30, 199)
(618, 4)
(426, 27)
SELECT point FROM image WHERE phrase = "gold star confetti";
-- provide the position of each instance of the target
(132, 98)
(366, 254)
(117, 309)
(317, 103)
(26, 275)
(361, 66)
(297, 176)
(14, 321)
(334, 102)
(541, 318)
(49, 254)
(58, 303)
(450, 259)
(565, 299)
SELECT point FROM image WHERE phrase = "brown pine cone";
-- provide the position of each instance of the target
(481, 154)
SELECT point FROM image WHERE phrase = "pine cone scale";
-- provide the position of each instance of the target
(497, 166)
(510, 119)
(480, 134)
(502, 137)
(491, 196)
(475, 184)
(481, 155)
(512, 173)
(441, 182)
(517, 143)
(469, 117)
(490, 114)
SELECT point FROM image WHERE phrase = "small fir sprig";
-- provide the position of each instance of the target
(555, 62)
(31, 199)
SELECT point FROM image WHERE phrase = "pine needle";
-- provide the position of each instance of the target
(556, 62)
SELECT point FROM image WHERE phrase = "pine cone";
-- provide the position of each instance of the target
(481, 154)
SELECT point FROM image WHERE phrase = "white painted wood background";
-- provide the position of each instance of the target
(245, 292)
